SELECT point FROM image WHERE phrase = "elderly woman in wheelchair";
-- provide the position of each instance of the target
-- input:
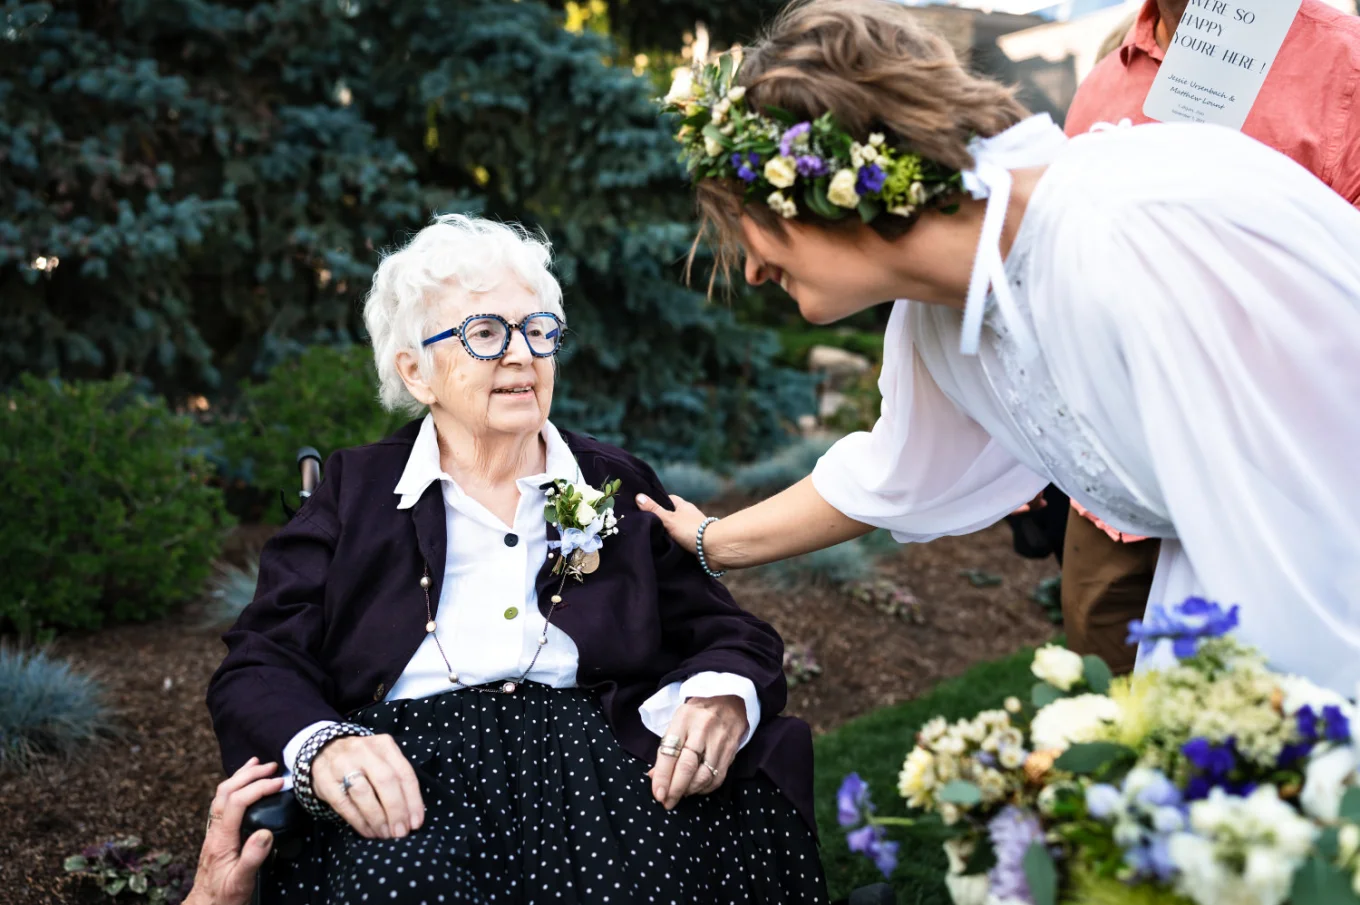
(487, 674)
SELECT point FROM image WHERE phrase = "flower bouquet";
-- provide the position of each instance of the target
(1205, 779)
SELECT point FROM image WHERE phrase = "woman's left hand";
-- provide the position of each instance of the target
(709, 732)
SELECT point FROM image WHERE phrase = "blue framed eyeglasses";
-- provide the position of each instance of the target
(487, 336)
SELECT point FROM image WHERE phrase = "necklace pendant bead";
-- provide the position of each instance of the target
(425, 581)
(453, 678)
(509, 688)
(542, 641)
(557, 598)
(429, 627)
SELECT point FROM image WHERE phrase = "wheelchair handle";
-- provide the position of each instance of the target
(309, 464)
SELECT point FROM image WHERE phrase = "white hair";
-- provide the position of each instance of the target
(454, 251)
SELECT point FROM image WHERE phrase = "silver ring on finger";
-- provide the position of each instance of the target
(669, 750)
(705, 763)
(696, 752)
(348, 782)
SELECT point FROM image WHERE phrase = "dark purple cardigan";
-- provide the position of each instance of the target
(338, 613)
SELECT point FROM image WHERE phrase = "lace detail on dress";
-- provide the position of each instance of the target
(1044, 419)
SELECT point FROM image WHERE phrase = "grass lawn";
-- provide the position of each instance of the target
(874, 746)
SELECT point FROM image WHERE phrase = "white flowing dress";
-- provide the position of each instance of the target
(1179, 352)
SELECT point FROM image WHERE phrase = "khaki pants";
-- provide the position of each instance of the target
(1105, 584)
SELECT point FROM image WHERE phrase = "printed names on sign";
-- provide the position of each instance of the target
(1218, 60)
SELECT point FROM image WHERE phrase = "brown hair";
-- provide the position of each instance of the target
(876, 69)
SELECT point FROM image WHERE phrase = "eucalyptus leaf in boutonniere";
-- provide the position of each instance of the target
(584, 517)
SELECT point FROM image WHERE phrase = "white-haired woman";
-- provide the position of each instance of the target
(487, 700)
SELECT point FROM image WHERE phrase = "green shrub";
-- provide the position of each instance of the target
(126, 865)
(693, 482)
(46, 708)
(104, 509)
(327, 398)
(783, 469)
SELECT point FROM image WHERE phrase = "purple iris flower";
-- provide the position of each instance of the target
(1336, 726)
(792, 135)
(810, 165)
(870, 180)
(1198, 788)
(873, 843)
(852, 801)
(1184, 624)
(1292, 754)
(1307, 723)
(1217, 761)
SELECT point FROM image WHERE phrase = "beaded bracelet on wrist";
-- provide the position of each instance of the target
(699, 548)
(302, 771)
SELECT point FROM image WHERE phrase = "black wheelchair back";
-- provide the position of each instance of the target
(280, 813)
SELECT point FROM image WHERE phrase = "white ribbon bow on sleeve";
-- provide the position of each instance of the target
(1029, 143)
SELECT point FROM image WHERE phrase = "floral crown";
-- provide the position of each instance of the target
(791, 165)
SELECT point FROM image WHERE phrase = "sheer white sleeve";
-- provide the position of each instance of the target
(926, 469)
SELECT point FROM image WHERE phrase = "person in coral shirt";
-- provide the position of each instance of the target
(1308, 109)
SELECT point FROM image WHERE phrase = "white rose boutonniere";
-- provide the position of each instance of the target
(584, 516)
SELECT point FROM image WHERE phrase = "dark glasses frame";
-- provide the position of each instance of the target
(461, 330)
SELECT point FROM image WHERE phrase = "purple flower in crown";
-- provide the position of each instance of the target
(810, 165)
(745, 165)
(870, 180)
(1185, 624)
(791, 136)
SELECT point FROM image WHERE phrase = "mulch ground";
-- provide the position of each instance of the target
(156, 780)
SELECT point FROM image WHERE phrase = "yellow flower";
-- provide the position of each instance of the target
(841, 192)
(712, 147)
(1138, 714)
(780, 172)
(917, 777)
(736, 93)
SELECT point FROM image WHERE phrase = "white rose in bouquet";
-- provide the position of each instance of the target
(1068, 721)
(1058, 666)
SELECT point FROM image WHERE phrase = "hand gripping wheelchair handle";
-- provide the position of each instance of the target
(281, 814)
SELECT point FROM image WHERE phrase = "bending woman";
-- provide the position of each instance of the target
(489, 681)
(1164, 321)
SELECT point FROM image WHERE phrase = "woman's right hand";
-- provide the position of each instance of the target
(682, 524)
(383, 801)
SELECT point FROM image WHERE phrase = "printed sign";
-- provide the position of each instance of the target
(1218, 60)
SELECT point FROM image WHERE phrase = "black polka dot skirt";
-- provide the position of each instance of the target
(529, 799)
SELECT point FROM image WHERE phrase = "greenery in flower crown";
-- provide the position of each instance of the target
(791, 165)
